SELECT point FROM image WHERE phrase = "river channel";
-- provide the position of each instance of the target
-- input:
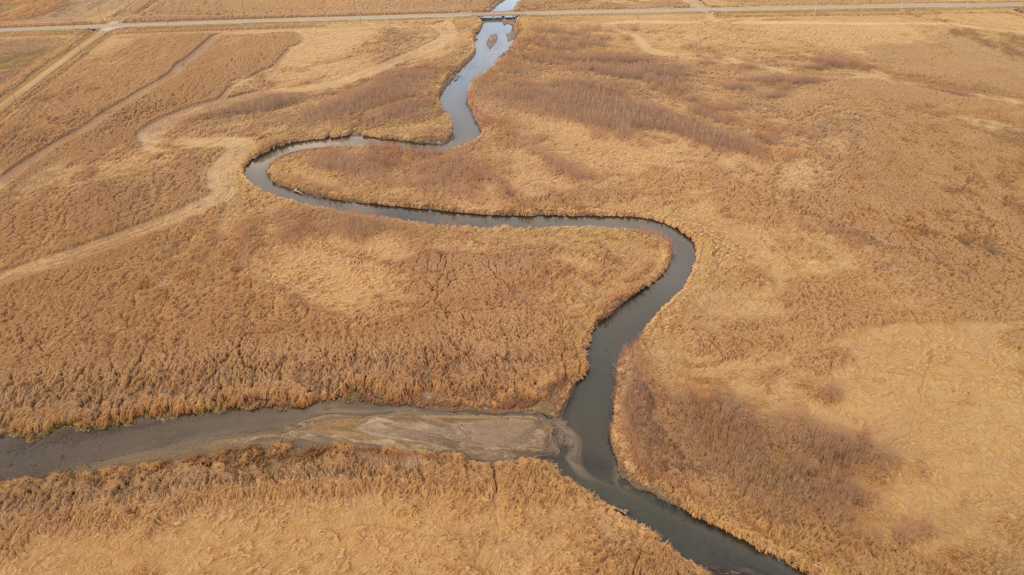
(586, 419)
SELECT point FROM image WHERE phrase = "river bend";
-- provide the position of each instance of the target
(588, 414)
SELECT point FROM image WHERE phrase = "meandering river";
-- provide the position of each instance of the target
(588, 414)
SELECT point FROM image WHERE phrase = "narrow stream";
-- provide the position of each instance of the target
(588, 413)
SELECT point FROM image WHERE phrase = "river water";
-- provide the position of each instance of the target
(588, 414)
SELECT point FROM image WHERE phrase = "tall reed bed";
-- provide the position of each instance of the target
(322, 509)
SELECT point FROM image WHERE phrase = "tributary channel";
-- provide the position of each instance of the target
(592, 464)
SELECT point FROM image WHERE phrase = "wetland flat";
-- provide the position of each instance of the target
(850, 334)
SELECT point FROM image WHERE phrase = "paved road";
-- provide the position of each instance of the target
(802, 8)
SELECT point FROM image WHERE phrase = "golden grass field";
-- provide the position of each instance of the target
(717, 3)
(33, 12)
(160, 10)
(143, 275)
(841, 382)
(21, 55)
(602, 4)
(340, 509)
(83, 12)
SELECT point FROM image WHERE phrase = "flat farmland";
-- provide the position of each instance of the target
(842, 374)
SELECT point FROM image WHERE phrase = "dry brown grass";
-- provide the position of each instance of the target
(784, 471)
(113, 70)
(395, 94)
(261, 302)
(29, 9)
(35, 12)
(610, 106)
(378, 92)
(840, 381)
(792, 3)
(163, 10)
(102, 180)
(293, 305)
(601, 4)
(338, 508)
(23, 54)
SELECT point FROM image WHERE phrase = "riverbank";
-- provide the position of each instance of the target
(814, 368)
(331, 508)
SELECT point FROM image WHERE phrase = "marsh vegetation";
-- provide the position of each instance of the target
(212, 296)
(851, 333)
(338, 507)
(23, 54)
(35, 12)
(162, 10)
(847, 337)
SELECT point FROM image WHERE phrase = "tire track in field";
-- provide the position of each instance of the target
(103, 116)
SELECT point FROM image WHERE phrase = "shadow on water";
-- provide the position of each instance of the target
(591, 463)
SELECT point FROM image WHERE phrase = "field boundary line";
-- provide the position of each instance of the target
(417, 16)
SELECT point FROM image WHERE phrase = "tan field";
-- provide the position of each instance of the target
(126, 82)
(34, 12)
(337, 509)
(841, 382)
(750, 3)
(603, 4)
(143, 275)
(162, 10)
(646, 4)
(21, 55)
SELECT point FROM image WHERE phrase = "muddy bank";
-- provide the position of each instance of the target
(483, 437)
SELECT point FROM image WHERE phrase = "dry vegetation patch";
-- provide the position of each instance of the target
(717, 3)
(163, 10)
(23, 54)
(332, 508)
(101, 180)
(601, 4)
(809, 389)
(113, 69)
(36, 12)
(211, 295)
(292, 305)
(29, 9)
